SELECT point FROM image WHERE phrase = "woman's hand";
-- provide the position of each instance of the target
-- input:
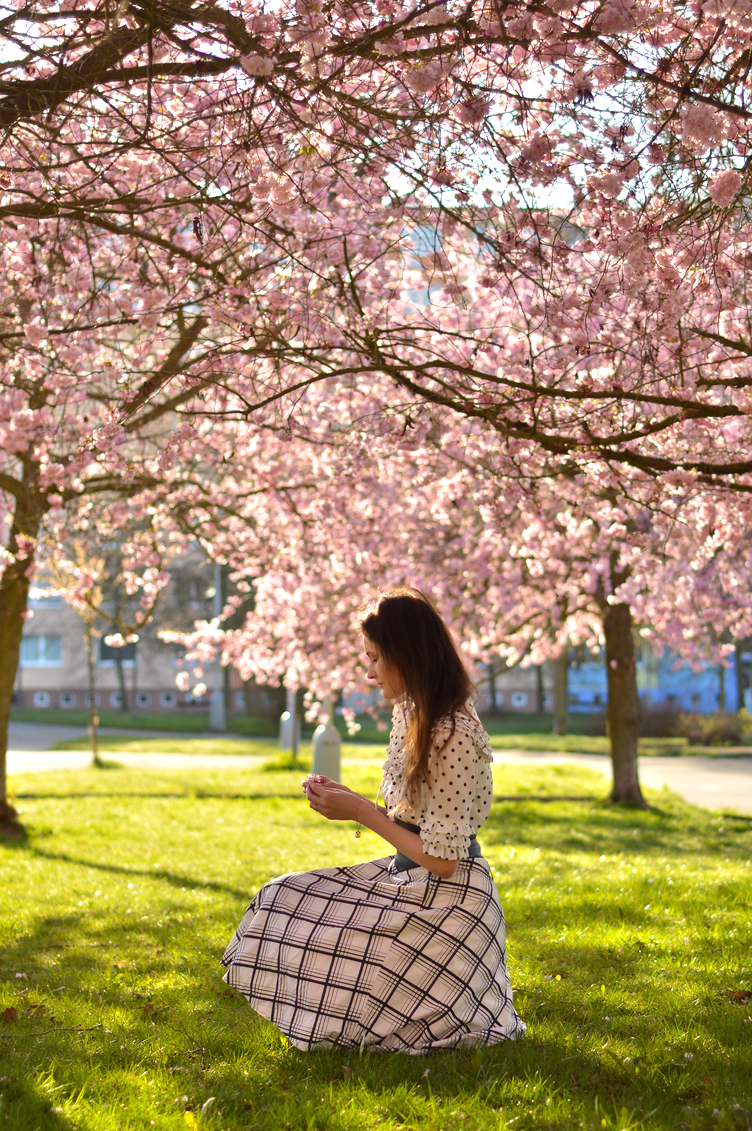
(331, 799)
(322, 780)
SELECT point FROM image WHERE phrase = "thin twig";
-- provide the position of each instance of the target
(52, 1029)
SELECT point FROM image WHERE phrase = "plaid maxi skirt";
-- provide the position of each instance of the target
(369, 956)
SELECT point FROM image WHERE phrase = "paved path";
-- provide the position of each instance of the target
(37, 761)
(716, 783)
(43, 736)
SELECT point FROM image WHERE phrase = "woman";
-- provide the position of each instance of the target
(406, 952)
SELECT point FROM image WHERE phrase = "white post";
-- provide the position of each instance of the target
(217, 716)
(289, 733)
(327, 746)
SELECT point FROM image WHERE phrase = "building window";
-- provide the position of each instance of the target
(240, 700)
(519, 699)
(168, 699)
(87, 699)
(108, 654)
(143, 699)
(67, 699)
(41, 651)
(598, 699)
(52, 601)
(116, 699)
(41, 698)
(499, 698)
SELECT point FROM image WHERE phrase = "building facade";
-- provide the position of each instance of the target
(663, 679)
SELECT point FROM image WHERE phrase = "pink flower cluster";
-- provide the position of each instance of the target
(724, 187)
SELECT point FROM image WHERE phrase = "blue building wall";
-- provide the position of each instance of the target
(665, 679)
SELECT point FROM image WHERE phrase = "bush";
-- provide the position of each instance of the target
(660, 721)
(655, 722)
(592, 725)
(722, 728)
(667, 721)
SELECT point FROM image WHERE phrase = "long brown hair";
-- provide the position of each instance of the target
(415, 642)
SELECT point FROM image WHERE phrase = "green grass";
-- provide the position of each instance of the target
(109, 743)
(268, 747)
(596, 744)
(584, 744)
(625, 930)
(260, 748)
(512, 732)
(192, 722)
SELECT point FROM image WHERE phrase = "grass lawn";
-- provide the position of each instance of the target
(190, 721)
(629, 949)
(591, 744)
(268, 747)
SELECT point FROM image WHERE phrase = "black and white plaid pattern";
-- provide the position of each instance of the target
(368, 956)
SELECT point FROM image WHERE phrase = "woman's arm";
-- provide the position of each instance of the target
(338, 803)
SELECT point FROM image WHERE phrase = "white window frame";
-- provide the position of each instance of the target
(41, 698)
(143, 699)
(70, 696)
(519, 698)
(42, 662)
(168, 699)
(50, 601)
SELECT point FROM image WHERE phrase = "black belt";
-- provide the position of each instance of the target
(402, 862)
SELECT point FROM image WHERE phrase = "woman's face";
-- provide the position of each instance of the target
(380, 673)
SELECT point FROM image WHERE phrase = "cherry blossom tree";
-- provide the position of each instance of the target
(106, 364)
(629, 120)
(533, 217)
(521, 562)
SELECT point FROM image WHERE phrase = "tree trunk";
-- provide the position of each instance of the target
(121, 681)
(493, 709)
(248, 686)
(561, 692)
(228, 693)
(134, 684)
(623, 705)
(539, 692)
(14, 597)
(721, 687)
(738, 668)
(93, 716)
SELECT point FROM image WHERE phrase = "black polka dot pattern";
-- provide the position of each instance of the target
(459, 799)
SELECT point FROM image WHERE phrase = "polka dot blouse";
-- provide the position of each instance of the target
(459, 800)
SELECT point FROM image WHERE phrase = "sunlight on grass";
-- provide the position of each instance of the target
(113, 743)
(253, 747)
(629, 949)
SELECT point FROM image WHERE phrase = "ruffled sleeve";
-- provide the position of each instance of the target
(446, 826)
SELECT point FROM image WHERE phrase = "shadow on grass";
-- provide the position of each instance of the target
(198, 1044)
(174, 879)
(609, 829)
(188, 795)
(25, 1106)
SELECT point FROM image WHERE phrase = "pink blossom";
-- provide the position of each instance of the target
(36, 333)
(260, 66)
(616, 16)
(724, 187)
(701, 126)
